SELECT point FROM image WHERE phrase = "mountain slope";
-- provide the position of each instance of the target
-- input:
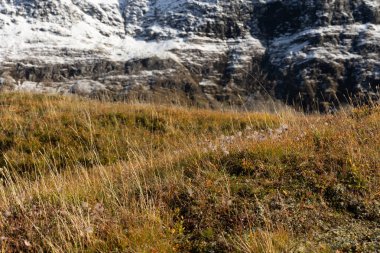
(313, 53)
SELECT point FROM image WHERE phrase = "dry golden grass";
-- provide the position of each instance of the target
(41, 133)
(90, 176)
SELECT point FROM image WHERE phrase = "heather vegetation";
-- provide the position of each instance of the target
(80, 175)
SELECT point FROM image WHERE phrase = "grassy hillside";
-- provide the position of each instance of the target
(90, 176)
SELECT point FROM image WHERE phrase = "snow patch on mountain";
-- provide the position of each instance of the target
(296, 46)
(82, 38)
(223, 47)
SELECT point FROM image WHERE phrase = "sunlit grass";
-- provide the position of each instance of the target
(89, 176)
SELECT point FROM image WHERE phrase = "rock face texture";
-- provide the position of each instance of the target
(317, 54)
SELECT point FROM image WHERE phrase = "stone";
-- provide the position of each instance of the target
(316, 55)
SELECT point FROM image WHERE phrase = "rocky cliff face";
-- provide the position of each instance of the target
(311, 53)
(326, 52)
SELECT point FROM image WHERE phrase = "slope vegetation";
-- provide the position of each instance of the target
(89, 176)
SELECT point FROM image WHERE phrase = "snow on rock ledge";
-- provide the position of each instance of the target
(314, 53)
